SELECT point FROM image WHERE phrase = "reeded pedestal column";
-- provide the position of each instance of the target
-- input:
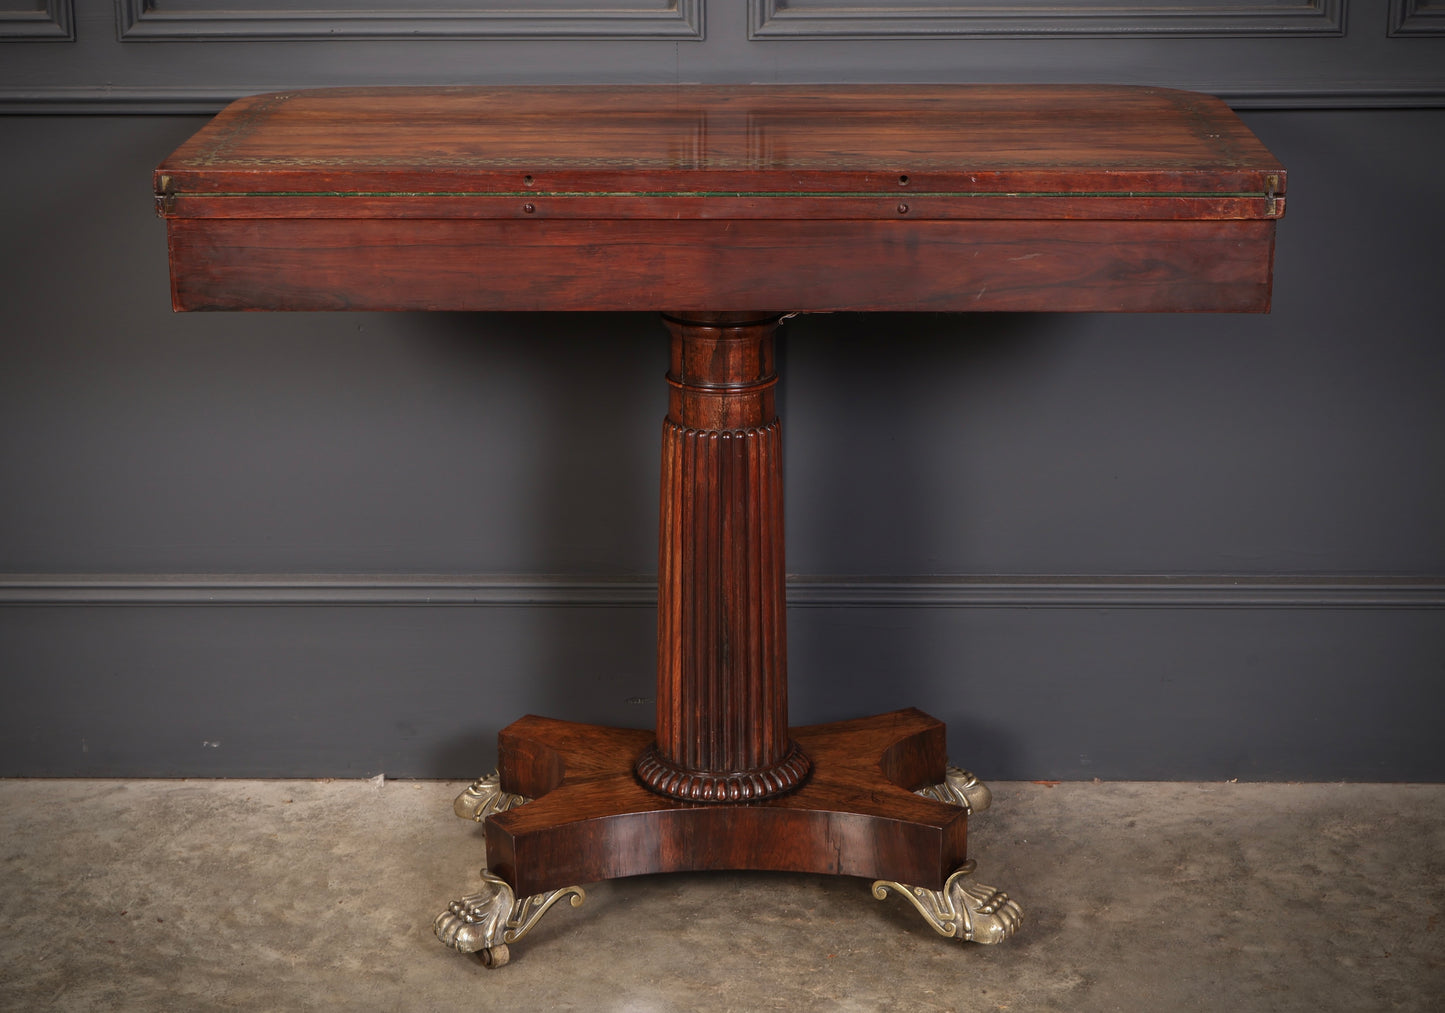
(722, 690)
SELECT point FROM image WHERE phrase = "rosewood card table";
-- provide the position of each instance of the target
(726, 208)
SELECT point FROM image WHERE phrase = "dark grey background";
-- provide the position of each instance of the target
(1098, 546)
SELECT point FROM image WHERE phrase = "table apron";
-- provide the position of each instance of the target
(720, 265)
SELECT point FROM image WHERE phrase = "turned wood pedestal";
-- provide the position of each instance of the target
(723, 207)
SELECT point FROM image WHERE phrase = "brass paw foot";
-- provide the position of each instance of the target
(961, 788)
(963, 909)
(485, 796)
(484, 923)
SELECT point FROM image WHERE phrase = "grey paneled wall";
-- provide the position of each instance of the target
(1113, 546)
(191, 55)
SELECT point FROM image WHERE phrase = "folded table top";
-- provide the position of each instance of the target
(606, 156)
(937, 144)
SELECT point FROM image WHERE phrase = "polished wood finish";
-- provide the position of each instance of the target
(1034, 266)
(855, 816)
(724, 206)
(668, 140)
(722, 686)
(724, 199)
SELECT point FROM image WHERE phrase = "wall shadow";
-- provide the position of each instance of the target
(574, 444)
(876, 406)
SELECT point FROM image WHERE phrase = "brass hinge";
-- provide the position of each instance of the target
(166, 197)
(1273, 201)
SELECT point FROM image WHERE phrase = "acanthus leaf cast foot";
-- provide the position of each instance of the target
(961, 788)
(484, 923)
(485, 796)
(963, 909)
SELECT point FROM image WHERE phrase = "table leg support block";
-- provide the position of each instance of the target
(858, 814)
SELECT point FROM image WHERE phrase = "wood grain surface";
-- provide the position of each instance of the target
(857, 814)
(783, 138)
(724, 199)
(722, 655)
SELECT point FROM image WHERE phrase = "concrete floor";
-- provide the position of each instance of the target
(302, 895)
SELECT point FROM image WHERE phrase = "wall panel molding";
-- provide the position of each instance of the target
(37, 21)
(954, 19)
(205, 101)
(1083, 592)
(1417, 17)
(217, 20)
(138, 100)
(1281, 54)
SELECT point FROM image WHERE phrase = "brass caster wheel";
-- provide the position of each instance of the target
(495, 956)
